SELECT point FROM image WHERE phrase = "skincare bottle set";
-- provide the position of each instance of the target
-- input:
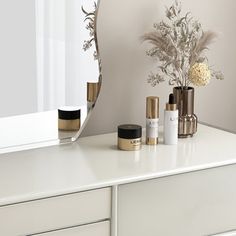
(170, 121)
(130, 136)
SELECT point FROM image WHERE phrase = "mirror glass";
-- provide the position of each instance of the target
(49, 61)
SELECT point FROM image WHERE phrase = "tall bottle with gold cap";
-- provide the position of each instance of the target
(171, 122)
(93, 89)
(152, 120)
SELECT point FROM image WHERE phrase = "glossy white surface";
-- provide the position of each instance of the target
(95, 162)
(233, 233)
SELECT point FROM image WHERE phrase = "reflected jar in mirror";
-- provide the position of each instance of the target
(69, 119)
(129, 137)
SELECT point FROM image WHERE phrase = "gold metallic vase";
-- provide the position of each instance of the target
(187, 119)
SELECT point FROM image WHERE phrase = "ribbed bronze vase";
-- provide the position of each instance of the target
(187, 119)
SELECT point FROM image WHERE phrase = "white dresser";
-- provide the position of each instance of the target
(90, 188)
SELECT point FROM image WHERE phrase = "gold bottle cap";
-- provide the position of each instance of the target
(171, 107)
(152, 107)
(92, 91)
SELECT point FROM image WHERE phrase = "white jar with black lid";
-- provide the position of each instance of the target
(129, 137)
(69, 118)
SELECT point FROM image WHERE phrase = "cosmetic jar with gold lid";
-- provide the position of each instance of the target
(129, 137)
(69, 119)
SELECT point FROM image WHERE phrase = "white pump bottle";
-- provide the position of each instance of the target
(171, 122)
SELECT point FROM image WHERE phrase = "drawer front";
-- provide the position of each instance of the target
(99, 229)
(55, 213)
(192, 204)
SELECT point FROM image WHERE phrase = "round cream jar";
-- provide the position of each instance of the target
(69, 119)
(129, 137)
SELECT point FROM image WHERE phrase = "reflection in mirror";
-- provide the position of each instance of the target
(50, 71)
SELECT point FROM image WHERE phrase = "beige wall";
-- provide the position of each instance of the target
(125, 66)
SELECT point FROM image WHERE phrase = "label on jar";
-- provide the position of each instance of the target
(152, 128)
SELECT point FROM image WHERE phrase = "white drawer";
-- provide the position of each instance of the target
(98, 229)
(192, 204)
(55, 213)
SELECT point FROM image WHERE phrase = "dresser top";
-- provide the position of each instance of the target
(94, 162)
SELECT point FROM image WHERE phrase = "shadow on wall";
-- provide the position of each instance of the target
(126, 67)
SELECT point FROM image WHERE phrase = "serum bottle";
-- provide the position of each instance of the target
(152, 120)
(171, 122)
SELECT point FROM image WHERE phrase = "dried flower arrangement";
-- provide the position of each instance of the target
(90, 17)
(179, 46)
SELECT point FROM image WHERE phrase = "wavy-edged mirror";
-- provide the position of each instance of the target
(49, 60)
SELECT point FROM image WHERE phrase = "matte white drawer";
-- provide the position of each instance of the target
(192, 204)
(55, 213)
(98, 229)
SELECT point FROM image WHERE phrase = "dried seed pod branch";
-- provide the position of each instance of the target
(178, 44)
